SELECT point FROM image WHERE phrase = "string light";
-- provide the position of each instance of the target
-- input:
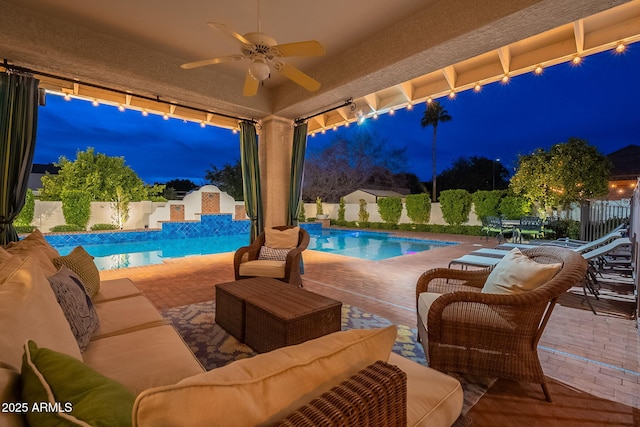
(335, 127)
(346, 124)
(165, 116)
(538, 70)
(95, 103)
(409, 106)
(202, 124)
(145, 113)
(121, 108)
(375, 115)
(505, 79)
(576, 60)
(323, 131)
(429, 100)
(452, 95)
(620, 48)
(67, 97)
(392, 112)
(477, 87)
(234, 131)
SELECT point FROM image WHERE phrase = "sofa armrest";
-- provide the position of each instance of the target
(377, 395)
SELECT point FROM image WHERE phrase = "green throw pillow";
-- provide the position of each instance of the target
(63, 391)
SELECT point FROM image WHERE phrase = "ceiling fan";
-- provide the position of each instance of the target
(265, 54)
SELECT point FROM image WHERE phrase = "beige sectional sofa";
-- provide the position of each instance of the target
(143, 364)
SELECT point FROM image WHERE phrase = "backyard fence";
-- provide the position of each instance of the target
(599, 217)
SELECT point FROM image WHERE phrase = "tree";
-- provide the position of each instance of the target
(433, 115)
(349, 163)
(98, 175)
(473, 174)
(227, 179)
(573, 171)
(178, 187)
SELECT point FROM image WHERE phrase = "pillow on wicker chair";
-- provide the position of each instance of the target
(273, 254)
(516, 273)
(282, 239)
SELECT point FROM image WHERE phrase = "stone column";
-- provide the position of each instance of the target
(275, 143)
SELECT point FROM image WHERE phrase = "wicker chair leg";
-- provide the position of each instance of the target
(545, 389)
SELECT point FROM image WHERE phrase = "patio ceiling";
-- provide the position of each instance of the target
(382, 54)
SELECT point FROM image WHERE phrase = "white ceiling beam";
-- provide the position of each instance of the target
(504, 53)
(450, 75)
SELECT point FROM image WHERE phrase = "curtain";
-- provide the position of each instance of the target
(251, 177)
(18, 122)
(297, 172)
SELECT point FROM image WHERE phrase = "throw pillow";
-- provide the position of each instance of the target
(38, 253)
(281, 239)
(82, 264)
(267, 387)
(516, 273)
(76, 305)
(273, 254)
(29, 310)
(35, 240)
(79, 395)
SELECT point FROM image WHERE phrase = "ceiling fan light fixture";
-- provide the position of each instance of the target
(259, 70)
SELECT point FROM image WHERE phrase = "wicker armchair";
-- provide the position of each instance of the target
(492, 335)
(288, 272)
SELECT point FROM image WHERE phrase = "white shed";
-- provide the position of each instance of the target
(370, 196)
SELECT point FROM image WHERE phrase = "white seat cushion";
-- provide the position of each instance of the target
(263, 268)
(433, 398)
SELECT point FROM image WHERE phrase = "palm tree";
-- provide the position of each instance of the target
(434, 114)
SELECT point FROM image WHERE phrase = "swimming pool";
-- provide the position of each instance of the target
(368, 245)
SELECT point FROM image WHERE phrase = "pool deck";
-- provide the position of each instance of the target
(597, 354)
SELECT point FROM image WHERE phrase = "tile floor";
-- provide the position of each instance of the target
(599, 354)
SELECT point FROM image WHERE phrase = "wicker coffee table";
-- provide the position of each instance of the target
(231, 296)
(287, 317)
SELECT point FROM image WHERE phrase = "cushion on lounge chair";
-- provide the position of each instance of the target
(517, 273)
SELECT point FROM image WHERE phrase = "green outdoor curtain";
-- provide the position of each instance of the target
(297, 172)
(18, 122)
(251, 177)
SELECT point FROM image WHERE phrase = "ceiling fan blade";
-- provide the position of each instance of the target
(297, 76)
(211, 61)
(250, 85)
(229, 32)
(308, 48)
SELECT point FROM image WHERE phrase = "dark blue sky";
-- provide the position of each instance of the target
(597, 101)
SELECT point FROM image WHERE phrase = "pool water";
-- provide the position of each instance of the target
(372, 246)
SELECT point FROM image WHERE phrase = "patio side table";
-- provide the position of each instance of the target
(289, 317)
(231, 296)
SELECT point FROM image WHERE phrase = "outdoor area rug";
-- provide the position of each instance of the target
(214, 347)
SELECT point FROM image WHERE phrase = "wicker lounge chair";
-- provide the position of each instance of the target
(287, 271)
(492, 335)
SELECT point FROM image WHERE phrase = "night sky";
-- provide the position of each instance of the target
(597, 101)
